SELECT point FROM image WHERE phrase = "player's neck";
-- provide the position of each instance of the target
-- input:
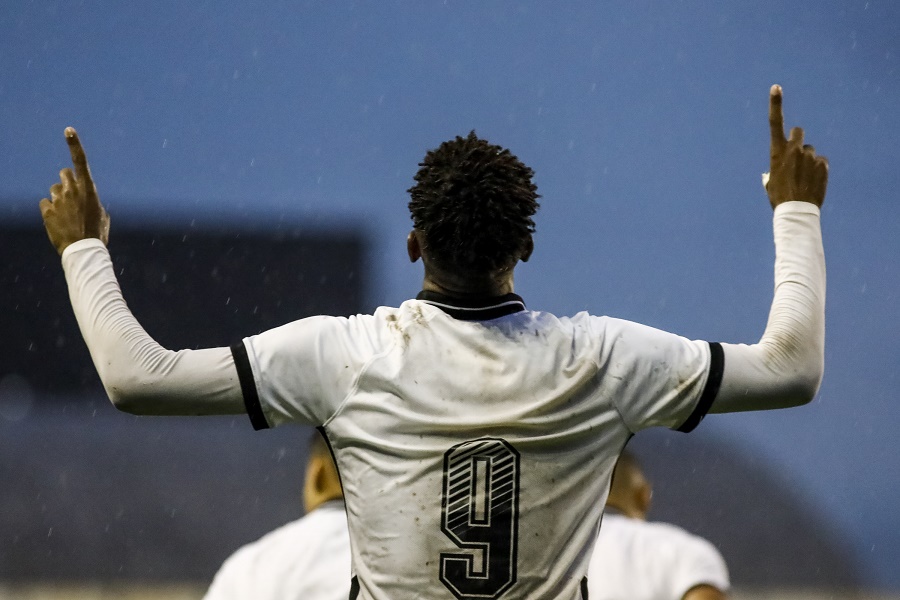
(455, 287)
(455, 284)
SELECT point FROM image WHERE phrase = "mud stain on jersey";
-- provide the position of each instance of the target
(394, 324)
(418, 316)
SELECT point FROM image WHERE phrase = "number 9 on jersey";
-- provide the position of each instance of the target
(480, 514)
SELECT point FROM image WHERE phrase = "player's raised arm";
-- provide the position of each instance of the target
(139, 375)
(785, 367)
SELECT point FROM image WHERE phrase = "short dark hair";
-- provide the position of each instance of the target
(473, 201)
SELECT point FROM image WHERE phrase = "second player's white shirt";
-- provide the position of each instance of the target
(306, 559)
(475, 440)
(639, 560)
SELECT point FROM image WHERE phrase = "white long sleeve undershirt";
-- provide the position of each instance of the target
(783, 369)
(139, 375)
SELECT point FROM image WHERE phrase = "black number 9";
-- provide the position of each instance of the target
(480, 513)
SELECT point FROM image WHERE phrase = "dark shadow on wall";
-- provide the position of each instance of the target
(189, 287)
(93, 495)
(87, 493)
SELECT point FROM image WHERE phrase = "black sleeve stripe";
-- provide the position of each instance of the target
(713, 381)
(248, 387)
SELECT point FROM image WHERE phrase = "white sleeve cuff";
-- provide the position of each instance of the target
(785, 367)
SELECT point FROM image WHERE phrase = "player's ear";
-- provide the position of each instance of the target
(643, 495)
(312, 484)
(529, 248)
(412, 246)
(322, 482)
(321, 478)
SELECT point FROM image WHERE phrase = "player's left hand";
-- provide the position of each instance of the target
(796, 172)
(73, 211)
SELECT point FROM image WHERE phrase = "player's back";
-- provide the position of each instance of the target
(475, 455)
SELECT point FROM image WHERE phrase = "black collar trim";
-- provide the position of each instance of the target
(474, 309)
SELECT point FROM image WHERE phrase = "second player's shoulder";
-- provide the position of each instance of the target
(330, 516)
(654, 535)
(694, 559)
(296, 537)
(280, 538)
(663, 543)
(667, 532)
(235, 573)
(683, 545)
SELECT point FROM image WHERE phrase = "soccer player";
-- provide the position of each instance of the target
(308, 558)
(637, 560)
(473, 436)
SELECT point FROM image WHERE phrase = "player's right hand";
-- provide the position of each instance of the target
(796, 173)
(73, 211)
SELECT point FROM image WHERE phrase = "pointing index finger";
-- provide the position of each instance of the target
(79, 158)
(776, 117)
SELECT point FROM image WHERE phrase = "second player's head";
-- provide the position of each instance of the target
(630, 492)
(473, 204)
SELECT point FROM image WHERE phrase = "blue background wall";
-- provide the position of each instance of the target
(645, 122)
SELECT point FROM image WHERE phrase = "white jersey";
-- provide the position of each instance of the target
(308, 558)
(637, 560)
(475, 440)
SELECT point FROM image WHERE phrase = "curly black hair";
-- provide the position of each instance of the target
(474, 201)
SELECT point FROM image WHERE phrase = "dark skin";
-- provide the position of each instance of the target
(704, 592)
(322, 482)
(449, 283)
(73, 211)
(795, 172)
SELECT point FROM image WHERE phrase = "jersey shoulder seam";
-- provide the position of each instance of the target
(355, 387)
(595, 357)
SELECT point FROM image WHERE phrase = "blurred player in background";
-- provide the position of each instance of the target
(308, 558)
(474, 437)
(637, 560)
